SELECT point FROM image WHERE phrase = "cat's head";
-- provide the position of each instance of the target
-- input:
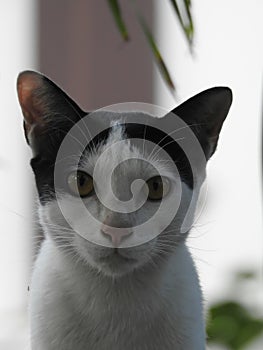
(118, 190)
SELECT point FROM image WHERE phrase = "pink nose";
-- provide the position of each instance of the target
(116, 233)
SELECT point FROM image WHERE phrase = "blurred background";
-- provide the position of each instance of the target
(79, 46)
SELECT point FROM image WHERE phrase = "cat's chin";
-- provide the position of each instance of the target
(116, 264)
(113, 262)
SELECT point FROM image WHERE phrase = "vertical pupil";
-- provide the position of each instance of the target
(81, 180)
(155, 185)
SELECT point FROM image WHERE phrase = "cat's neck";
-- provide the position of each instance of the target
(148, 281)
(151, 273)
(168, 292)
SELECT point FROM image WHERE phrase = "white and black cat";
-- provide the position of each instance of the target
(109, 279)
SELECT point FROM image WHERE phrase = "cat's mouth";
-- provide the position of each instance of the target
(117, 254)
(116, 262)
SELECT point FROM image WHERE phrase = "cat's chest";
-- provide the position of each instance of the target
(103, 327)
(72, 313)
(114, 331)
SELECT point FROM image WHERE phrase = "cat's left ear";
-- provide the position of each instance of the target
(205, 114)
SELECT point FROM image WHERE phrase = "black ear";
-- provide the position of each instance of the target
(205, 114)
(45, 106)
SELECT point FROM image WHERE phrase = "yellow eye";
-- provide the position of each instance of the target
(158, 187)
(80, 183)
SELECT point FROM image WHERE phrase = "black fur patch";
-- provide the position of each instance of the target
(44, 163)
(167, 143)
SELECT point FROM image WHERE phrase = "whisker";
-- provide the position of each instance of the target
(176, 130)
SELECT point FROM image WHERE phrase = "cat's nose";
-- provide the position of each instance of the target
(116, 233)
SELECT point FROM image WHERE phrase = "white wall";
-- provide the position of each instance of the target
(17, 38)
(228, 51)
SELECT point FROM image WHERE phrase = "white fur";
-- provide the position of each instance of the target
(75, 307)
(83, 299)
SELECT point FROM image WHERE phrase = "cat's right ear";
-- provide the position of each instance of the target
(43, 105)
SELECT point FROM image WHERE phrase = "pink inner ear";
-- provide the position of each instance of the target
(27, 84)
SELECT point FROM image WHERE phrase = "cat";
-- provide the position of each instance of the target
(107, 276)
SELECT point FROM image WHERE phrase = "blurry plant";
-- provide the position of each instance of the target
(231, 323)
(182, 9)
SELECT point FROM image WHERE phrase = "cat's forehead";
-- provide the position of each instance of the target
(131, 143)
(109, 118)
(119, 152)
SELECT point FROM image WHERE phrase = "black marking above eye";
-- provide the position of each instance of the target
(164, 141)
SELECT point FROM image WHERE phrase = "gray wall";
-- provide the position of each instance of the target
(81, 49)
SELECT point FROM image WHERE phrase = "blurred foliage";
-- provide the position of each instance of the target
(232, 324)
(116, 11)
(245, 275)
(162, 67)
(182, 10)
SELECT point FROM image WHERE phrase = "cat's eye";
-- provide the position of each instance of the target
(158, 187)
(80, 183)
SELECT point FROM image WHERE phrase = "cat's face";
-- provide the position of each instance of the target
(117, 191)
(90, 225)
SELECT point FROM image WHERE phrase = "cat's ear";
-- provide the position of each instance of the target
(43, 105)
(205, 114)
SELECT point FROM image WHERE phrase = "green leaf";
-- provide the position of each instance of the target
(188, 28)
(245, 275)
(232, 325)
(157, 55)
(116, 11)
